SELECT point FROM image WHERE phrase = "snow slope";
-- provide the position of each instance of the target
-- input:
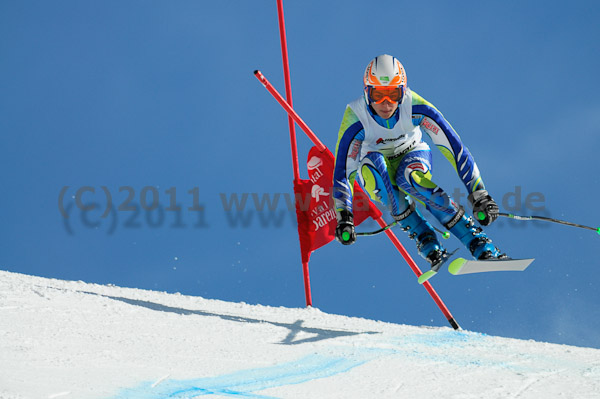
(64, 339)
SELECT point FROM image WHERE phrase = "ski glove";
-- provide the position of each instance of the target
(485, 208)
(344, 232)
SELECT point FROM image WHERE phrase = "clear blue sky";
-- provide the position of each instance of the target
(155, 95)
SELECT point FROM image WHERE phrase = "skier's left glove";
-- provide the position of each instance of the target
(485, 208)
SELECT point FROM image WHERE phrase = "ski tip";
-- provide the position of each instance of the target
(598, 231)
(426, 276)
(456, 265)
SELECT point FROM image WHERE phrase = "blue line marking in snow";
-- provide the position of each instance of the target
(246, 383)
(243, 384)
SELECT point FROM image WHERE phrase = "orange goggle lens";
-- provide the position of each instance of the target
(380, 94)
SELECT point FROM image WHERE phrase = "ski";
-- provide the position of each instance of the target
(426, 276)
(464, 266)
(430, 273)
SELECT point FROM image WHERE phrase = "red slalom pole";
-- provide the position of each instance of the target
(288, 88)
(307, 292)
(313, 137)
(291, 112)
(411, 263)
(293, 141)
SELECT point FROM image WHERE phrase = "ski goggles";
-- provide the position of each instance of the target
(379, 94)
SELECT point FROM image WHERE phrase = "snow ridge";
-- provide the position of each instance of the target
(65, 339)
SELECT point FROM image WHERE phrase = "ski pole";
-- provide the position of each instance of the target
(481, 216)
(444, 234)
(381, 230)
(545, 219)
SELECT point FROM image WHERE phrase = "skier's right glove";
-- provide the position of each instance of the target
(485, 208)
(344, 232)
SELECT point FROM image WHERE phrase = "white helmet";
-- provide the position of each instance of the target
(384, 71)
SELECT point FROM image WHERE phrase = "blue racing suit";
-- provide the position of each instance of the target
(392, 163)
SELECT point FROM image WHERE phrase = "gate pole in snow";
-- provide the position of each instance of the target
(293, 142)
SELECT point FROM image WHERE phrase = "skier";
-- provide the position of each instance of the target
(380, 146)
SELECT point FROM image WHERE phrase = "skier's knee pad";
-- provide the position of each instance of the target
(418, 184)
(375, 180)
(420, 179)
(372, 183)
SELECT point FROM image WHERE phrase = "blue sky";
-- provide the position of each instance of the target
(159, 98)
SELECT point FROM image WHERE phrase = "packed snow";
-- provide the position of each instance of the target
(66, 339)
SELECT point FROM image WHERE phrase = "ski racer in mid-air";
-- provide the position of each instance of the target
(380, 145)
